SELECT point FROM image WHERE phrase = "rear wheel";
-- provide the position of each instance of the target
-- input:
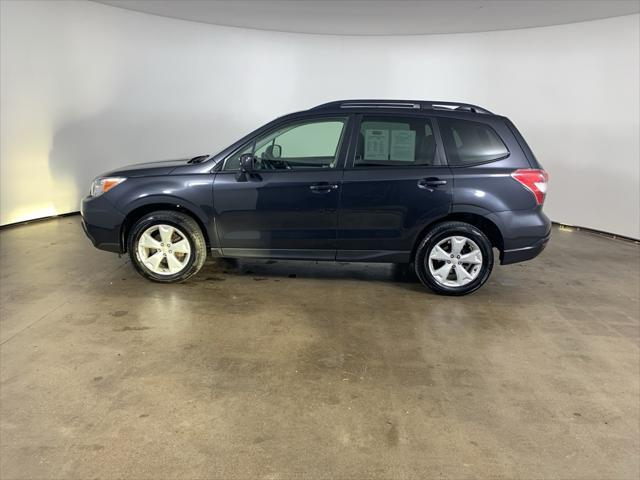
(454, 258)
(167, 246)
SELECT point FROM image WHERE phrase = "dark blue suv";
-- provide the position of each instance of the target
(437, 184)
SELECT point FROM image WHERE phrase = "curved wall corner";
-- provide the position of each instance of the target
(86, 88)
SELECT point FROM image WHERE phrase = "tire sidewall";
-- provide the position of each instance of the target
(437, 235)
(161, 219)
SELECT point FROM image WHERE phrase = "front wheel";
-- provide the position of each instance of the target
(167, 246)
(454, 258)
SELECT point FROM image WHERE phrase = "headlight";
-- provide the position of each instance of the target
(103, 185)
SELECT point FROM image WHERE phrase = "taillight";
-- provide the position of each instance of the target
(534, 180)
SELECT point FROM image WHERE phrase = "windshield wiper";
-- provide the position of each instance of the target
(198, 159)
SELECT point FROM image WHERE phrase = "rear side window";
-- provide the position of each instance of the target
(395, 142)
(468, 142)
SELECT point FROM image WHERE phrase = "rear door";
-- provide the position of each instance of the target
(395, 183)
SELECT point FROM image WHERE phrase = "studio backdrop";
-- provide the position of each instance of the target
(87, 87)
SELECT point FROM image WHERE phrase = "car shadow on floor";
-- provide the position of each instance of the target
(277, 269)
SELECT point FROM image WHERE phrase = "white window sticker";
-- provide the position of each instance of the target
(376, 144)
(403, 145)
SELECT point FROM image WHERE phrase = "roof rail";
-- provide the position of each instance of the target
(404, 104)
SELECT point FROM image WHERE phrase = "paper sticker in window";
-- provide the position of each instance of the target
(376, 144)
(403, 145)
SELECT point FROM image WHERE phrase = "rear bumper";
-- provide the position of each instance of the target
(526, 253)
(102, 223)
(525, 234)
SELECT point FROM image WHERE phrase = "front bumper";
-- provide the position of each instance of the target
(102, 223)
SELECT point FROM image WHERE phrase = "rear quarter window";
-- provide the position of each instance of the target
(468, 143)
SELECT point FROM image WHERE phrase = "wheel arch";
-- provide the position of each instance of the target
(481, 222)
(137, 213)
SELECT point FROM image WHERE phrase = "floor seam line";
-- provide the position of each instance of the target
(33, 323)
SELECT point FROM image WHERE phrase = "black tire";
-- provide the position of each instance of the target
(440, 232)
(186, 225)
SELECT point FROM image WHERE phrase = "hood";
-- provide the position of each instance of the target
(146, 169)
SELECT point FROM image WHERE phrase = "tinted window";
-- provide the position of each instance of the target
(308, 144)
(395, 141)
(470, 142)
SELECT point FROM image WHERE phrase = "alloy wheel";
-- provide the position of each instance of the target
(455, 261)
(164, 249)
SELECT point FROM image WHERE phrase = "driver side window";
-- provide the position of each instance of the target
(299, 145)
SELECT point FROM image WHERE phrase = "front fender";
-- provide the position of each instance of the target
(193, 193)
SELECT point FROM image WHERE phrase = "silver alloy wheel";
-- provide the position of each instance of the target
(455, 261)
(164, 249)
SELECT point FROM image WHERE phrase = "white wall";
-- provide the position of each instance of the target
(86, 88)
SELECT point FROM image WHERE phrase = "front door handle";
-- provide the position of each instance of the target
(323, 187)
(430, 182)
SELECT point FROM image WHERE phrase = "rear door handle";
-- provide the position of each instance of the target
(323, 187)
(430, 182)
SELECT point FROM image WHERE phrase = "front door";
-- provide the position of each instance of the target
(288, 207)
(396, 183)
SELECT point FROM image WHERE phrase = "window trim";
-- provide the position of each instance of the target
(482, 162)
(440, 159)
(341, 149)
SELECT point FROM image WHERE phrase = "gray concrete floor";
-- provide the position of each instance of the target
(280, 370)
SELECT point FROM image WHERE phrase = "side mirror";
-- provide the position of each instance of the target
(276, 151)
(247, 162)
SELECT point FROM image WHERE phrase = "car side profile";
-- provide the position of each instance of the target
(439, 185)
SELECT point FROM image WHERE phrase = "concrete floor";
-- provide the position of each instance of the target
(289, 369)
